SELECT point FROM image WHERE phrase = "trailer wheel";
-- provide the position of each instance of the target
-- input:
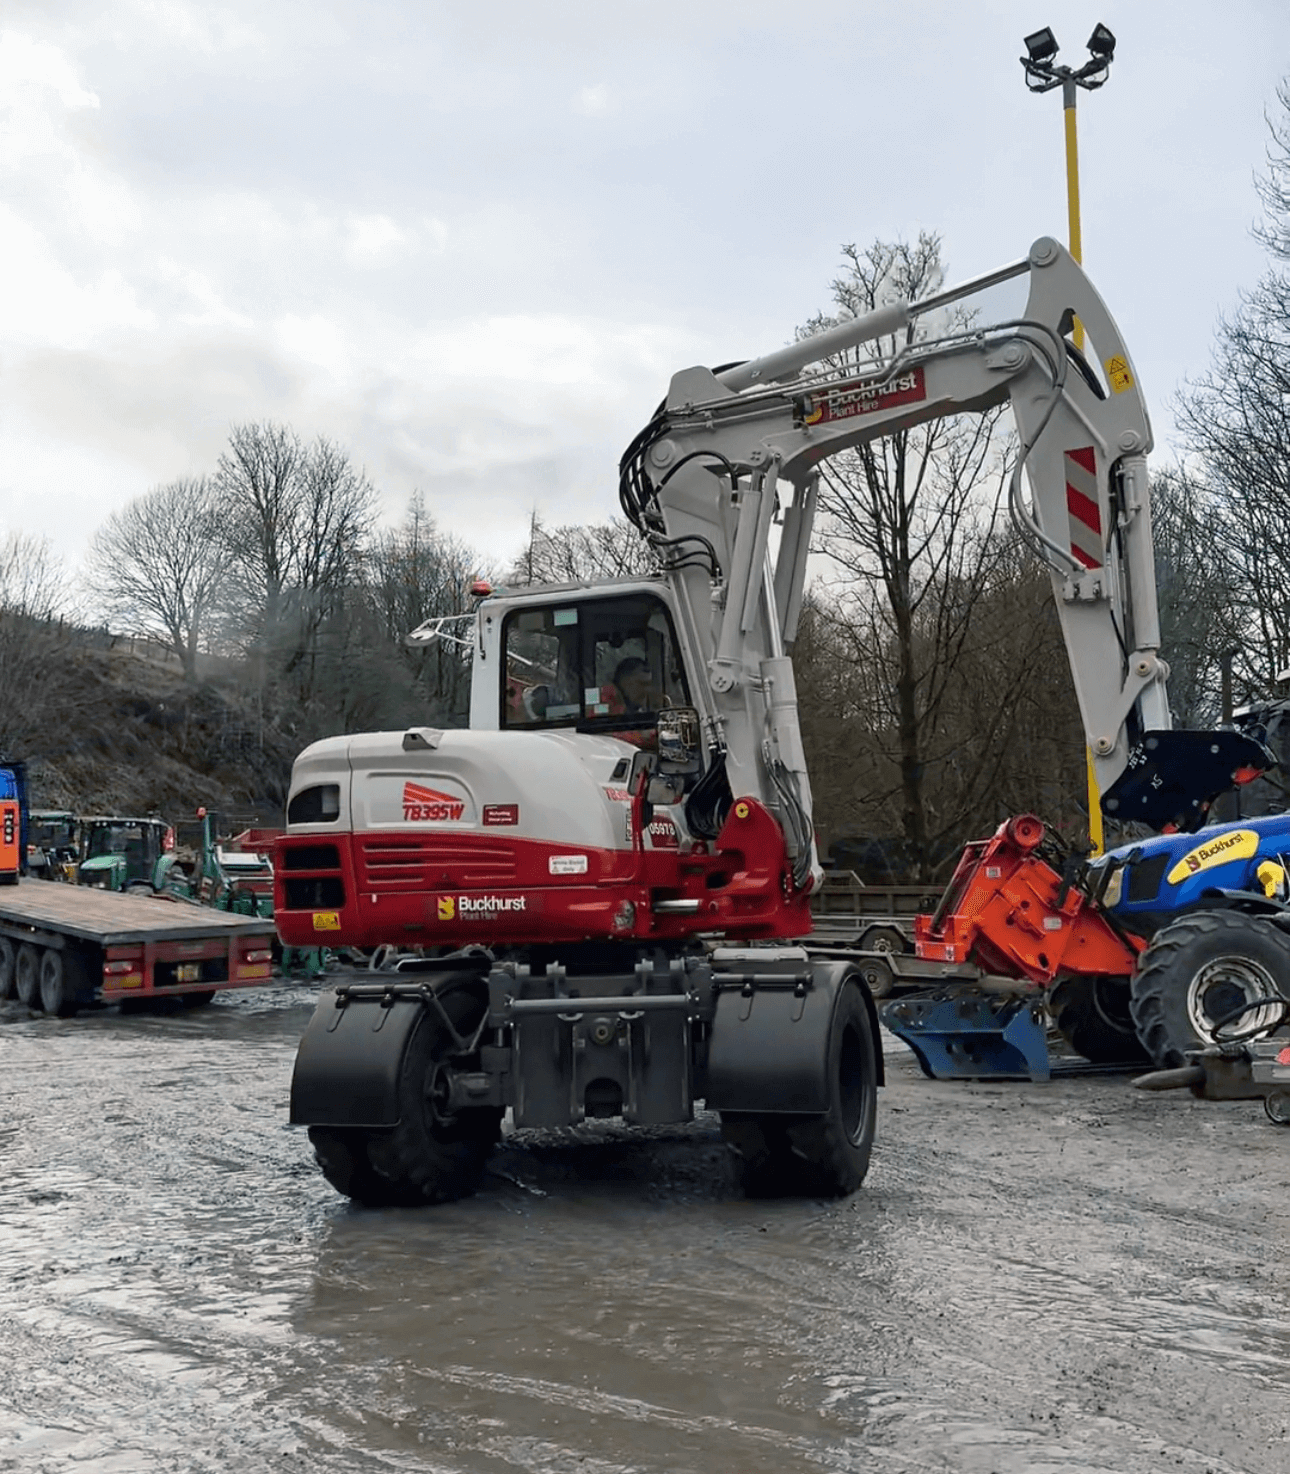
(7, 958)
(1092, 1015)
(434, 1154)
(62, 983)
(885, 938)
(819, 1156)
(1200, 969)
(26, 973)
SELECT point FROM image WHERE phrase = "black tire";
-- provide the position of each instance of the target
(818, 1156)
(63, 983)
(26, 975)
(885, 938)
(9, 877)
(431, 1156)
(8, 956)
(1092, 1015)
(1197, 970)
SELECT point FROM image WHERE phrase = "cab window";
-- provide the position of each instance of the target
(596, 665)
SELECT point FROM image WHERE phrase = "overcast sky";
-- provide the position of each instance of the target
(472, 241)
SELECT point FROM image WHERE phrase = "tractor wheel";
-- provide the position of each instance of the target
(26, 974)
(63, 985)
(818, 1156)
(1197, 971)
(8, 956)
(1092, 1015)
(434, 1154)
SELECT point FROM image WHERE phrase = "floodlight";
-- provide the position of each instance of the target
(1102, 43)
(1042, 45)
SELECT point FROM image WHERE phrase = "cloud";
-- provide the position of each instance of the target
(28, 63)
(594, 100)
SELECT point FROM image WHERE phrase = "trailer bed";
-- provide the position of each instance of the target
(64, 947)
(115, 918)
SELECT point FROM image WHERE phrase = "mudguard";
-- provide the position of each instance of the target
(769, 1043)
(350, 1059)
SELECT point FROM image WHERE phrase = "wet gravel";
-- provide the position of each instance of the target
(1063, 1277)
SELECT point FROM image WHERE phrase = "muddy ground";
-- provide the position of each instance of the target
(1063, 1277)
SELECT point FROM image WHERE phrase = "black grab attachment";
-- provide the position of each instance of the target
(1172, 778)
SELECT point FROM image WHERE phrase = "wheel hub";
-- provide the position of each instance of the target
(1220, 987)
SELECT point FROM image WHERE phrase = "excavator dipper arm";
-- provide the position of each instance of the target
(731, 451)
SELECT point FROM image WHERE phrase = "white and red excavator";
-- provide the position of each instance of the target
(597, 872)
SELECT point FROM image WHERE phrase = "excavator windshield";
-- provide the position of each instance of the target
(594, 664)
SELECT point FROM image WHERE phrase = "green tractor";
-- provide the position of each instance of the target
(120, 854)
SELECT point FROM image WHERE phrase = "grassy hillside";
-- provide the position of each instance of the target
(114, 728)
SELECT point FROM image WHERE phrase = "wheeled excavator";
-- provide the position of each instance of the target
(600, 887)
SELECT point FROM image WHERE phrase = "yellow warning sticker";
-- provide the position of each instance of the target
(1236, 844)
(1118, 374)
(326, 920)
(446, 907)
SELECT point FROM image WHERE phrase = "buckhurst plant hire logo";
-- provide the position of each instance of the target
(476, 908)
(429, 803)
(1235, 844)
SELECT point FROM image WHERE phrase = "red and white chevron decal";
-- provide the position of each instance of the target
(1082, 506)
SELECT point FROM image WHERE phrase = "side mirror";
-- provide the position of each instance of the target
(679, 749)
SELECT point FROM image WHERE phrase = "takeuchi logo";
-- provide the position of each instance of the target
(428, 803)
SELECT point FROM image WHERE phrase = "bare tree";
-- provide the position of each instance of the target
(910, 522)
(157, 565)
(417, 573)
(32, 596)
(578, 554)
(1237, 420)
(297, 521)
(1200, 605)
(258, 479)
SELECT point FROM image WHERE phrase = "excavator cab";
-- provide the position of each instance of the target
(589, 663)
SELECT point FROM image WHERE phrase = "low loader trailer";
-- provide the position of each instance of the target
(63, 948)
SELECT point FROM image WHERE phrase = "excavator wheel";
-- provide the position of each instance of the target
(433, 1155)
(818, 1156)
(1092, 1015)
(1201, 969)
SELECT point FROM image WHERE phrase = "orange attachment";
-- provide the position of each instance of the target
(1009, 912)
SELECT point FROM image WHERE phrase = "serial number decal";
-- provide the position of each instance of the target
(663, 835)
(501, 814)
(1236, 844)
(421, 803)
(863, 397)
(326, 920)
